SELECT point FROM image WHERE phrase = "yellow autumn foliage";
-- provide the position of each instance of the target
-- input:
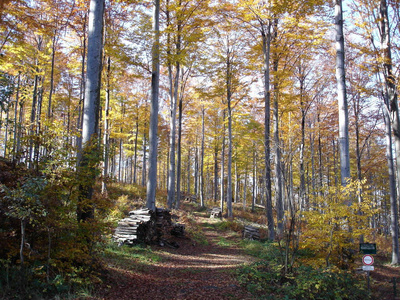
(337, 221)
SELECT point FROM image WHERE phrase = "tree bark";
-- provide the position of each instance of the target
(230, 146)
(278, 163)
(390, 96)
(85, 209)
(153, 127)
(202, 200)
(106, 146)
(179, 154)
(342, 97)
(266, 46)
(222, 194)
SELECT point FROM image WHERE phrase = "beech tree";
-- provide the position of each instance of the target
(153, 151)
(342, 97)
(88, 161)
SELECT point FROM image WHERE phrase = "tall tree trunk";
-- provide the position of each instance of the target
(32, 120)
(392, 190)
(135, 151)
(179, 154)
(302, 191)
(106, 146)
(17, 103)
(266, 45)
(254, 187)
(236, 185)
(196, 170)
(278, 163)
(144, 169)
(392, 106)
(82, 88)
(215, 173)
(222, 194)
(53, 56)
(229, 99)
(85, 209)
(202, 158)
(174, 85)
(153, 127)
(342, 97)
(188, 172)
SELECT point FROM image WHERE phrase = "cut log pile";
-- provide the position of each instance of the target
(145, 226)
(216, 213)
(251, 233)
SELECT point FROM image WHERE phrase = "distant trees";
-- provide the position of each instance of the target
(244, 100)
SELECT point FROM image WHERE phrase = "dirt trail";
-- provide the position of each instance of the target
(193, 271)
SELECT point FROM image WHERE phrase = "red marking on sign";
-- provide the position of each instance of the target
(368, 260)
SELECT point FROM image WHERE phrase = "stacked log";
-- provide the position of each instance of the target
(164, 222)
(144, 226)
(251, 233)
(216, 212)
(137, 227)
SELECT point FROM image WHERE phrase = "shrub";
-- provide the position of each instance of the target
(265, 278)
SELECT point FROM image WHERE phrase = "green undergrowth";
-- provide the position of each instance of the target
(130, 257)
(267, 278)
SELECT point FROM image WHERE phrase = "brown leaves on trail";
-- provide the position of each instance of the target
(193, 271)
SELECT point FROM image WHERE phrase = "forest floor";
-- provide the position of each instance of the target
(203, 269)
(381, 280)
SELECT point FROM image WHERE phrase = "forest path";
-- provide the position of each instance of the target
(196, 270)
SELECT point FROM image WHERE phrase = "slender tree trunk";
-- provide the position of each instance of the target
(202, 200)
(196, 170)
(85, 209)
(174, 85)
(236, 185)
(153, 135)
(179, 154)
(6, 133)
(120, 157)
(32, 120)
(215, 173)
(254, 187)
(229, 99)
(222, 194)
(392, 106)
(144, 169)
(82, 89)
(136, 150)
(303, 202)
(188, 172)
(266, 44)
(106, 146)
(342, 98)
(53, 56)
(392, 190)
(278, 163)
(17, 103)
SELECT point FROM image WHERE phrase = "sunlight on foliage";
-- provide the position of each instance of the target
(336, 223)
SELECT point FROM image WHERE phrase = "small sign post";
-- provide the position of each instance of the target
(368, 261)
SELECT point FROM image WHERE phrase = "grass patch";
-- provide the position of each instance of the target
(128, 257)
(223, 242)
(263, 250)
(198, 236)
